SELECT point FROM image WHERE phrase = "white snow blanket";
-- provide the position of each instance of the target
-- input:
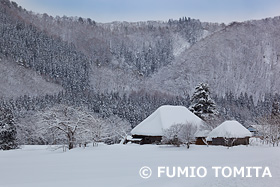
(119, 165)
(230, 129)
(163, 118)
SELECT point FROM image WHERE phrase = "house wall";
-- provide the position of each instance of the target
(199, 141)
(238, 141)
(148, 139)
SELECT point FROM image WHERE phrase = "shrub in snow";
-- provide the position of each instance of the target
(179, 134)
(7, 130)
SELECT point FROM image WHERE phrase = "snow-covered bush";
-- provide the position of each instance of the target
(179, 134)
(171, 135)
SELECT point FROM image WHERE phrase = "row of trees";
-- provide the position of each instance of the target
(138, 105)
(58, 119)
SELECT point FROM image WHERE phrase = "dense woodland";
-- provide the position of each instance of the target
(81, 65)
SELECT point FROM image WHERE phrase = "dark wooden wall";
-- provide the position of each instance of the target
(199, 141)
(238, 141)
(148, 139)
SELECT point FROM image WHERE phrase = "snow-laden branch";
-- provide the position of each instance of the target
(80, 126)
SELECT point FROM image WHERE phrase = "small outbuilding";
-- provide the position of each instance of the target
(253, 130)
(152, 128)
(229, 133)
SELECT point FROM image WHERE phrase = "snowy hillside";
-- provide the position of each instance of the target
(119, 165)
(243, 57)
(171, 57)
(15, 81)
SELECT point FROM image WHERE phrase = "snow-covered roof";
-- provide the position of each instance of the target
(202, 133)
(229, 129)
(163, 118)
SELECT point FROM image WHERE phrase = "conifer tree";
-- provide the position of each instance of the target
(203, 106)
(7, 130)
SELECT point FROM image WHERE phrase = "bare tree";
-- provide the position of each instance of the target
(187, 133)
(118, 129)
(229, 142)
(29, 132)
(269, 129)
(180, 134)
(66, 120)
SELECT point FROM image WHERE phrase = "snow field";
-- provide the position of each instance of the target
(119, 165)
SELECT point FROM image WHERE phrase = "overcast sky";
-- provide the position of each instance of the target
(142, 10)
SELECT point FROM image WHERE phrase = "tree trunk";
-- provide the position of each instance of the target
(71, 145)
(70, 140)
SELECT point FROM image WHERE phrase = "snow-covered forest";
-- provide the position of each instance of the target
(116, 74)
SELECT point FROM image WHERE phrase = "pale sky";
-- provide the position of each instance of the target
(143, 10)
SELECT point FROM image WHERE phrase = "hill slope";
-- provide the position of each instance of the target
(15, 81)
(243, 57)
(171, 57)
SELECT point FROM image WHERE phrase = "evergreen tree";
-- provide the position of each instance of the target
(7, 130)
(203, 106)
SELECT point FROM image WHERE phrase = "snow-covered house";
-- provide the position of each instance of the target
(152, 128)
(229, 133)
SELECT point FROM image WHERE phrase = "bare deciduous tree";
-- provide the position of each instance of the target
(66, 120)
(180, 134)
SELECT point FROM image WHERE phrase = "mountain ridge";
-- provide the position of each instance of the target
(250, 47)
(170, 57)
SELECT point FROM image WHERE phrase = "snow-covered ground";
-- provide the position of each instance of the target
(119, 165)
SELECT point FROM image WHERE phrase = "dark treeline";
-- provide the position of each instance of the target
(134, 107)
(243, 108)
